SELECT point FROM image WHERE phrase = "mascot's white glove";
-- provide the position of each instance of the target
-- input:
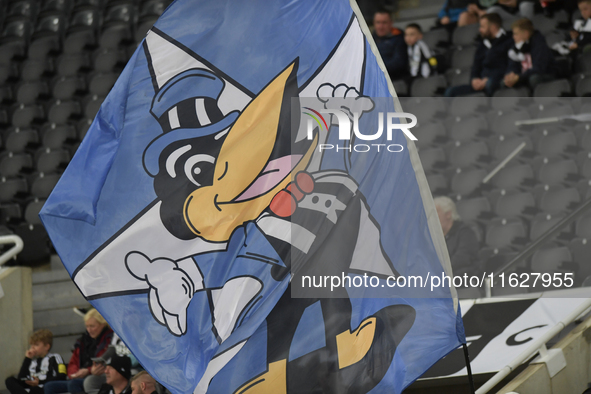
(171, 289)
(344, 98)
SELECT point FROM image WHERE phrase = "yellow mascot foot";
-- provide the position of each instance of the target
(352, 346)
(271, 382)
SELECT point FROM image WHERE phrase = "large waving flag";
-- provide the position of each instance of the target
(223, 171)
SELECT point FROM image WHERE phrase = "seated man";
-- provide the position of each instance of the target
(143, 383)
(461, 241)
(391, 45)
(117, 372)
(531, 61)
(490, 59)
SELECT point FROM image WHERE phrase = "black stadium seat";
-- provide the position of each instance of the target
(48, 160)
(503, 232)
(543, 222)
(11, 187)
(559, 172)
(474, 209)
(32, 210)
(558, 88)
(48, 36)
(516, 204)
(101, 83)
(557, 144)
(57, 136)
(24, 115)
(557, 199)
(64, 88)
(465, 182)
(463, 57)
(36, 69)
(17, 139)
(465, 35)
(11, 164)
(118, 25)
(428, 87)
(61, 111)
(469, 153)
(513, 177)
(83, 29)
(42, 184)
(467, 128)
(30, 92)
(70, 65)
(14, 39)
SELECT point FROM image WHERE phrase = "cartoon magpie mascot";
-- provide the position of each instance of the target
(228, 176)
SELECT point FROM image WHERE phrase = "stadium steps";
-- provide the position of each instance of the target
(54, 296)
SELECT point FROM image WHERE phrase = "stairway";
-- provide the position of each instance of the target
(54, 296)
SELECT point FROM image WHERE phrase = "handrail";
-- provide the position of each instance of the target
(538, 345)
(529, 250)
(10, 253)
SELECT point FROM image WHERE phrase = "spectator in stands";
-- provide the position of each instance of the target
(461, 241)
(581, 32)
(531, 61)
(117, 372)
(420, 60)
(143, 383)
(490, 59)
(39, 366)
(511, 10)
(84, 375)
(450, 12)
(391, 45)
(475, 10)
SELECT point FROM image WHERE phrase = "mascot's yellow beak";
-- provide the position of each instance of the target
(213, 212)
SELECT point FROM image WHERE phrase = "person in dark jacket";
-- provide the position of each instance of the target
(531, 61)
(450, 12)
(391, 45)
(84, 375)
(462, 243)
(581, 31)
(490, 59)
(39, 367)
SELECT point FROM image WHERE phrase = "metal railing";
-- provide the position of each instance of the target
(532, 247)
(12, 252)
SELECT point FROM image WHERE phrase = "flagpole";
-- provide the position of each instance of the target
(469, 368)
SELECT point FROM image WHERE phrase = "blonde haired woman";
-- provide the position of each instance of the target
(82, 374)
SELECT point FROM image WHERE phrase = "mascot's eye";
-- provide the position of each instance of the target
(196, 165)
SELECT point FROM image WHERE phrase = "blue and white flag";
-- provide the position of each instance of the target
(225, 175)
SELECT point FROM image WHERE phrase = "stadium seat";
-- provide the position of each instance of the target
(108, 60)
(36, 237)
(557, 199)
(467, 181)
(36, 69)
(583, 226)
(424, 108)
(118, 25)
(462, 58)
(91, 105)
(64, 7)
(463, 107)
(48, 35)
(10, 188)
(83, 29)
(64, 88)
(428, 134)
(583, 86)
(467, 128)
(583, 63)
(580, 249)
(474, 209)
(551, 260)
(505, 146)
(543, 222)
(433, 159)
(549, 107)
(465, 35)
(458, 76)
(101, 83)
(513, 177)
(42, 184)
(558, 172)
(501, 232)
(516, 204)
(73, 64)
(60, 112)
(436, 38)
(558, 88)
(504, 123)
(29, 92)
(469, 153)
(11, 164)
(48, 160)
(14, 39)
(10, 213)
(438, 184)
(6, 96)
(23, 8)
(32, 211)
(557, 144)
(151, 10)
(428, 87)
(400, 87)
(82, 127)
(7, 72)
(544, 24)
(17, 139)
(57, 136)
(24, 115)
(512, 92)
